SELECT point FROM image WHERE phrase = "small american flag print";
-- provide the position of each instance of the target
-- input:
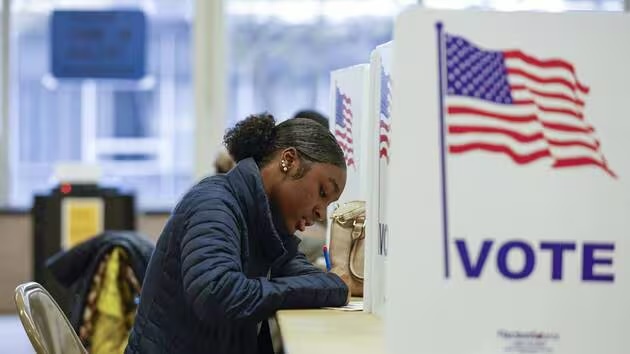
(343, 126)
(512, 103)
(385, 115)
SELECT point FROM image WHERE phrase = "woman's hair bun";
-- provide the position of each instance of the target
(252, 137)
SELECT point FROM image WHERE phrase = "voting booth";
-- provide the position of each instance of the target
(349, 99)
(508, 186)
(377, 171)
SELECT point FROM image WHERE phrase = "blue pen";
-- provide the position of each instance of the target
(327, 258)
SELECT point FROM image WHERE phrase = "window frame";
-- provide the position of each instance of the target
(207, 23)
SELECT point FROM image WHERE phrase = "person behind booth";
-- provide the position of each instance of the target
(227, 259)
(223, 162)
(314, 115)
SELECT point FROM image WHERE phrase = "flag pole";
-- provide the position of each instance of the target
(440, 51)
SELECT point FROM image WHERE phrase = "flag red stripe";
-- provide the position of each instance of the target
(524, 102)
(543, 80)
(383, 153)
(523, 138)
(550, 63)
(510, 118)
(566, 111)
(519, 119)
(559, 96)
(518, 158)
(350, 162)
(567, 128)
(384, 139)
(343, 136)
(582, 161)
(594, 147)
(345, 147)
(347, 128)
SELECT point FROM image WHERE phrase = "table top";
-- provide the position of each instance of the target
(330, 331)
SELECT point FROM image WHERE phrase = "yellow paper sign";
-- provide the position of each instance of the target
(82, 218)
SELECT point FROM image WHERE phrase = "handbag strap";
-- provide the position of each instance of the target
(358, 227)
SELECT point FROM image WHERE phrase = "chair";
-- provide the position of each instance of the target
(46, 325)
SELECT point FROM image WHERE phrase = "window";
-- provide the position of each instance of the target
(138, 131)
(528, 5)
(282, 51)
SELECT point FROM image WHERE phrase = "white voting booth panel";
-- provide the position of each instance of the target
(509, 194)
(348, 122)
(378, 164)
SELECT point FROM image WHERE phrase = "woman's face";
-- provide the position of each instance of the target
(304, 200)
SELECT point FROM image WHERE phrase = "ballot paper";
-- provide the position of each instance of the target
(351, 306)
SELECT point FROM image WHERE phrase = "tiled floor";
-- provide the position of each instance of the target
(12, 336)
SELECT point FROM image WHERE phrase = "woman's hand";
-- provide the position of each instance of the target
(345, 277)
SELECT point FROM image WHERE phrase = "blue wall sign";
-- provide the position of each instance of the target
(98, 44)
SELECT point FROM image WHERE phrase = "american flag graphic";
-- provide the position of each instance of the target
(509, 102)
(343, 126)
(385, 115)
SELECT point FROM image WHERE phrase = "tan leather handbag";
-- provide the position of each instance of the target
(347, 243)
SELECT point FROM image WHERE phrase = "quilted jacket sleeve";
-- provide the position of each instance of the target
(299, 265)
(217, 288)
(316, 288)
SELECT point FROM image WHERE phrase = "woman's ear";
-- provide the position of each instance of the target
(295, 166)
(289, 158)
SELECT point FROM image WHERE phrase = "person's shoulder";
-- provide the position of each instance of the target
(209, 192)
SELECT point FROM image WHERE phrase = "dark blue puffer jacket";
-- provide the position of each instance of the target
(207, 288)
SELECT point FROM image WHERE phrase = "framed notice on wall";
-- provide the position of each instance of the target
(81, 219)
(98, 44)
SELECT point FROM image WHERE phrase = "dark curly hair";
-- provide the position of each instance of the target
(258, 137)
